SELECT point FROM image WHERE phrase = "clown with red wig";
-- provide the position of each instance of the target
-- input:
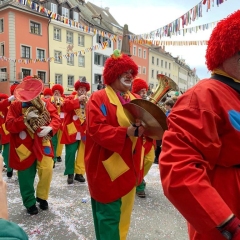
(74, 131)
(114, 147)
(199, 162)
(140, 87)
(57, 100)
(5, 103)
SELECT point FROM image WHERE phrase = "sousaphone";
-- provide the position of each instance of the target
(152, 116)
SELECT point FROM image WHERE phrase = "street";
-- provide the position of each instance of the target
(70, 217)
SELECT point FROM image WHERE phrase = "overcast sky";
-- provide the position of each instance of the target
(145, 16)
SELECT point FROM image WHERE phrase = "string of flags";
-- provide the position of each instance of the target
(174, 28)
(83, 52)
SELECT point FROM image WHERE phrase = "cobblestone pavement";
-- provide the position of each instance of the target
(153, 218)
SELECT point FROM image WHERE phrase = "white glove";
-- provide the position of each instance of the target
(45, 131)
(32, 114)
(11, 98)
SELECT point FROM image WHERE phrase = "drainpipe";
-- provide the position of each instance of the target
(49, 85)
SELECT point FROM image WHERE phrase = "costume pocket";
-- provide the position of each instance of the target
(115, 166)
(22, 152)
(71, 128)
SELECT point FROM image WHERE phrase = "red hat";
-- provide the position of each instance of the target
(47, 91)
(57, 87)
(28, 90)
(82, 83)
(3, 96)
(13, 86)
(116, 65)
(139, 84)
(224, 41)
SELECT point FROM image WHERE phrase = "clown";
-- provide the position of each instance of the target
(57, 100)
(140, 87)
(199, 162)
(74, 131)
(30, 152)
(113, 154)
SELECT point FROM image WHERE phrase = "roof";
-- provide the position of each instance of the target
(17, 5)
(87, 16)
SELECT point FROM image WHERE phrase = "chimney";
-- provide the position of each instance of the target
(125, 41)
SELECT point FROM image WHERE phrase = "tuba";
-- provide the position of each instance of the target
(29, 91)
(152, 116)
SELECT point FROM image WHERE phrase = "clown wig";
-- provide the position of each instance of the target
(139, 84)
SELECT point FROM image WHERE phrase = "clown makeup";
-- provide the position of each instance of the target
(126, 78)
(57, 93)
(143, 93)
(81, 91)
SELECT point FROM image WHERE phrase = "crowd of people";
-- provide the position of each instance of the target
(198, 155)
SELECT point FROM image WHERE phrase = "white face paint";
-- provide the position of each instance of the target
(127, 84)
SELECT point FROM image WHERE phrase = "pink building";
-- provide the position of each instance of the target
(23, 43)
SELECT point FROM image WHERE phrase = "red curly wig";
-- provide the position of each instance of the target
(224, 41)
(116, 65)
(12, 87)
(139, 84)
(47, 91)
(82, 83)
(57, 87)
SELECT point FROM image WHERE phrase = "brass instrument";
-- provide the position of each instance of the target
(152, 116)
(43, 118)
(29, 91)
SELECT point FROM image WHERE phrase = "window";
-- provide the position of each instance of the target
(157, 61)
(152, 60)
(144, 70)
(134, 51)
(81, 61)
(35, 28)
(165, 64)
(57, 57)
(2, 52)
(70, 81)
(42, 76)
(144, 54)
(54, 7)
(97, 77)
(161, 63)
(70, 60)
(69, 37)
(25, 52)
(65, 12)
(57, 34)
(80, 40)
(3, 75)
(97, 59)
(76, 16)
(169, 75)
(119, 45)
(140, 52)
(152, 73)
(26, 72)
(169, 66)
(58, 79)
(1, 25)
(139, 69)
(40, 53)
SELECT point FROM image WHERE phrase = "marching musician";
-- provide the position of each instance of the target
(31, 123)
(74, 131)
(47, 93)
(140, 87)
(114, 147)
(5, 136)
(57, 100)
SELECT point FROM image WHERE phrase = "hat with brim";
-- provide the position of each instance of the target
(26, 91)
